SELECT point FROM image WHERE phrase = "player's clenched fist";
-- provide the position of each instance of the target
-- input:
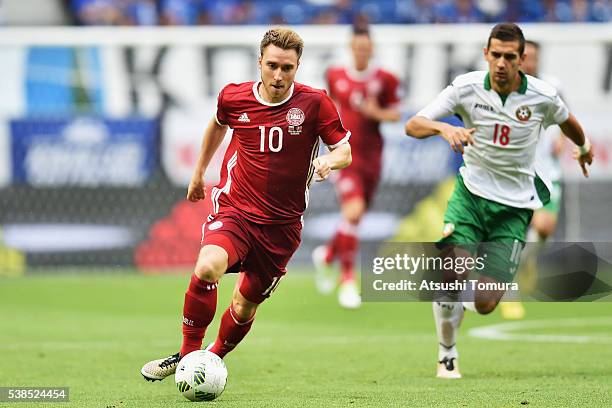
(457, 137)
(196, 190)
(322, 168)
(584, 155)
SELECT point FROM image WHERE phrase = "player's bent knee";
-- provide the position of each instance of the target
(544, 224)
(206, 271)
(485, 306)
(211, 265)
(353, 210)
(354, 217)
(546, 229)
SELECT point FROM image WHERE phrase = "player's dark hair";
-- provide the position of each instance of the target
(361, 31)
(508, 32)
(284, 38)
(534, 44)
(361, 26)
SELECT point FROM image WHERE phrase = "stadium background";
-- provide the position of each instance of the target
(100, 126)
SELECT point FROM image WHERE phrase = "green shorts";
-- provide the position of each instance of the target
(471, 220)
(554, 205)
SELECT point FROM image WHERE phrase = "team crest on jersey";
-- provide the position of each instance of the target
(295, 118)
(374, 87)
(342, 86)
(523, 113)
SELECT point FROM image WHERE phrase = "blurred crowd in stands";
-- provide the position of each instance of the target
(197, 12)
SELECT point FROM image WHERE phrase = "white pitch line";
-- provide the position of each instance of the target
(402, 338)
(506, 331)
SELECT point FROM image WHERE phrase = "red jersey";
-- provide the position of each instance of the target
(349, 88)
(267, 167)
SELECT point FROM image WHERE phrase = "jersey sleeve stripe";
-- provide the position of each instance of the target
(345, 139)
(217, 120)
(313, 155)
(216, 193)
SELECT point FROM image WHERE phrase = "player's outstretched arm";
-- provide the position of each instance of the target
(584, 153)
(213, 136)
(422, 127)
(338, 158)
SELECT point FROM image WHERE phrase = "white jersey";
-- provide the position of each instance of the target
(500, 166)
(547, 164)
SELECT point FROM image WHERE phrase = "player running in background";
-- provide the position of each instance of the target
(259, 202)
(548, 150)
(365, 96)
(497, 189)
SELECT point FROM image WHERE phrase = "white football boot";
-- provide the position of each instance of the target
(448, 368)
(325, 274)
(157, 370)
(348, 295)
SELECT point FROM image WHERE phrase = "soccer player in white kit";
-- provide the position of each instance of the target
(497, 189)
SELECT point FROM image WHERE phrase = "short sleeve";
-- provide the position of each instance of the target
(557, 112)
(220, 115)
(329, 82)
(329, 125)
(444, 104)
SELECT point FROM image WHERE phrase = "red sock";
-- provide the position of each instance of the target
(347, 258)
(198, 311)
(342, 241)
(231, 332)
(346, 249)
(332, 246)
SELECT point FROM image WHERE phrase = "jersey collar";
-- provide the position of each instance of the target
(263, 102)
(359, 76)
(522, 88)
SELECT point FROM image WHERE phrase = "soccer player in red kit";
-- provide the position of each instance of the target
(263, 192)
(365, 96)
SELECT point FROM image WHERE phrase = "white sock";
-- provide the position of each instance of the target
(470, 306)
(447, 316)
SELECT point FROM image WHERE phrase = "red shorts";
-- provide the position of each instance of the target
(260, 252)
(353, 183)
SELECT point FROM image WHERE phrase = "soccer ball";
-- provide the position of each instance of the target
(201, 376)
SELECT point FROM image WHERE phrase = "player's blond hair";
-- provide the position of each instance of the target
(284, 38)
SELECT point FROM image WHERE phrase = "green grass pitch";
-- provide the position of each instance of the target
(93, 333)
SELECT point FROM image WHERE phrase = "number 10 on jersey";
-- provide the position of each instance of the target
(275, 139)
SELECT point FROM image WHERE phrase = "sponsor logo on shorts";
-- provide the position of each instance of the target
(215, 225)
